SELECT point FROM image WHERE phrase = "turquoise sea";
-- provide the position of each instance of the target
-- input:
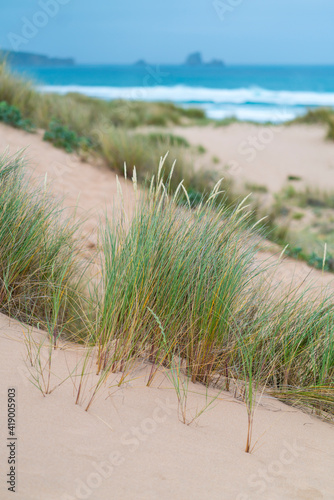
(258, 93)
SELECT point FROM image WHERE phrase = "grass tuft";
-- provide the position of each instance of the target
(39, 270)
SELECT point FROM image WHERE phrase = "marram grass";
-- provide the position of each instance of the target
(39, 269)
(179, 287)
(194, 271)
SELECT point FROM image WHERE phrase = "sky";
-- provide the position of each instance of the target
(160, 31)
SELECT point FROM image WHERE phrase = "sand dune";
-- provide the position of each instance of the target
(131, 443)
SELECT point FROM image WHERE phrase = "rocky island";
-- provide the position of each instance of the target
(195, 59)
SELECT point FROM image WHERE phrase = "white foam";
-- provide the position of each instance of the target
(253, 113)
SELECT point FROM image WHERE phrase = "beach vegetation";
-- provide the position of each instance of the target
(39, 270)
(225, 122)
(107, 129)
(256, 188)
(298, 215)
(294, 178)
(322, 116)
(166, 140)
(315, 116)
(178, 290)
(63, 137)
(11, 115)
(301, 219)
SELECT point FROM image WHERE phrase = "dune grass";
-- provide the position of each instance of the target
(169, 261)
(179, 290)
(330, 133)
(39, 270)
(192, 271)
(304, 220)
(319, 116)
(314, 116)
(141, 151)
(169, 140)
(17, 91)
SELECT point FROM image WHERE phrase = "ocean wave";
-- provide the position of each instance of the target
(253, 113)
(195, 95)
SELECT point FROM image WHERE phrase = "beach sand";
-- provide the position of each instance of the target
(267, 155)
(131, 443)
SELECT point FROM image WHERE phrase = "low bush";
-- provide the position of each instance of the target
(63, 137)
(11, 115)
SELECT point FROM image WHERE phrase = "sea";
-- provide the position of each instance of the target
(256, 93)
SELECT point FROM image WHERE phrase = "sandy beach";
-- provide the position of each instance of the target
(131, 443)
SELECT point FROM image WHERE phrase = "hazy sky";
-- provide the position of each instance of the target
(165, 31)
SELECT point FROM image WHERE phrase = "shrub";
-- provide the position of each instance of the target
(294, 178)
(63, 137)
(11, 115)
